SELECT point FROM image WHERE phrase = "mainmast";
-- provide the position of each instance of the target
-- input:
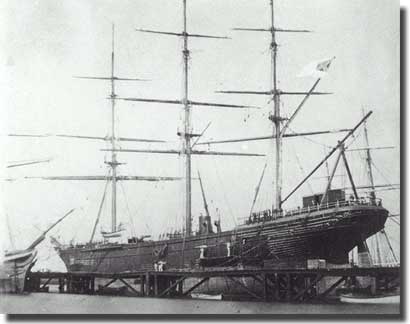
(113, 163)
(186, 103)
(276, 118)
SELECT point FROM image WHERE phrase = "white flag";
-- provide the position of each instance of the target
(316, 69)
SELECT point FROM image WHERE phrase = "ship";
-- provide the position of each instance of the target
(327, 226)
(386, 298)
(17, 263)
(14, 268)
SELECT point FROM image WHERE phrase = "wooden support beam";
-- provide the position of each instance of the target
(314, 282)
(332, 287)
(329, 183)
(390, 280)
(172, 286)
(271, 281)
(265, 287)
(327, 156)
(288, 287)
(377, 283)
(250, 292)
(69, 284)
(180, 288)
(262, 281)
(109, 283)
(130, 287)
(148, 284)
(142, 283)
(297, 281)
(195, 286)
(277, 284)
(155, 285)
(258, 279)
(46, 283)
(349, 173)
(272, 284)
(61, 285)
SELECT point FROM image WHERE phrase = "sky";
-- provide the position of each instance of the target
(45, 43)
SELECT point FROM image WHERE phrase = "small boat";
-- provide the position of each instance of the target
(352, 298)
(113, 234)
(206, 296)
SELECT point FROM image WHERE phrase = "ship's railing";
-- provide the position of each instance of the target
(268, 214)
(387, 264)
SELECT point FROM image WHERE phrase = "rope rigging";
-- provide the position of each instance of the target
(100, 207)
(133, 233)
(301, 168)
(216, 167)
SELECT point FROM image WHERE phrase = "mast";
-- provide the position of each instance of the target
(372, 187)
(187, 104)
(187, 130)
(113, 164)
(43, 235)
(275, 115)
(369, 163)
(257, 189)
(203, 195)
(276, 118)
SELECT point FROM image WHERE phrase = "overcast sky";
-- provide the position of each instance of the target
(44, 43)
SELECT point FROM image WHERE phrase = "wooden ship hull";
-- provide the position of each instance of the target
(327, 233)
(13, 270)
(17, 263)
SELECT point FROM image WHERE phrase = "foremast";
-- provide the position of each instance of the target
(113, 163)
(187, 129)
(112, 175)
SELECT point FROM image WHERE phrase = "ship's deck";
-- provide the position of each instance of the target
(269, 214)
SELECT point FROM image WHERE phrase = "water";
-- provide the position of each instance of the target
(50, 303)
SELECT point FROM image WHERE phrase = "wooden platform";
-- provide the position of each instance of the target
(276, 284)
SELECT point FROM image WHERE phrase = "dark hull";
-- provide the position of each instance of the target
(319, 234)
